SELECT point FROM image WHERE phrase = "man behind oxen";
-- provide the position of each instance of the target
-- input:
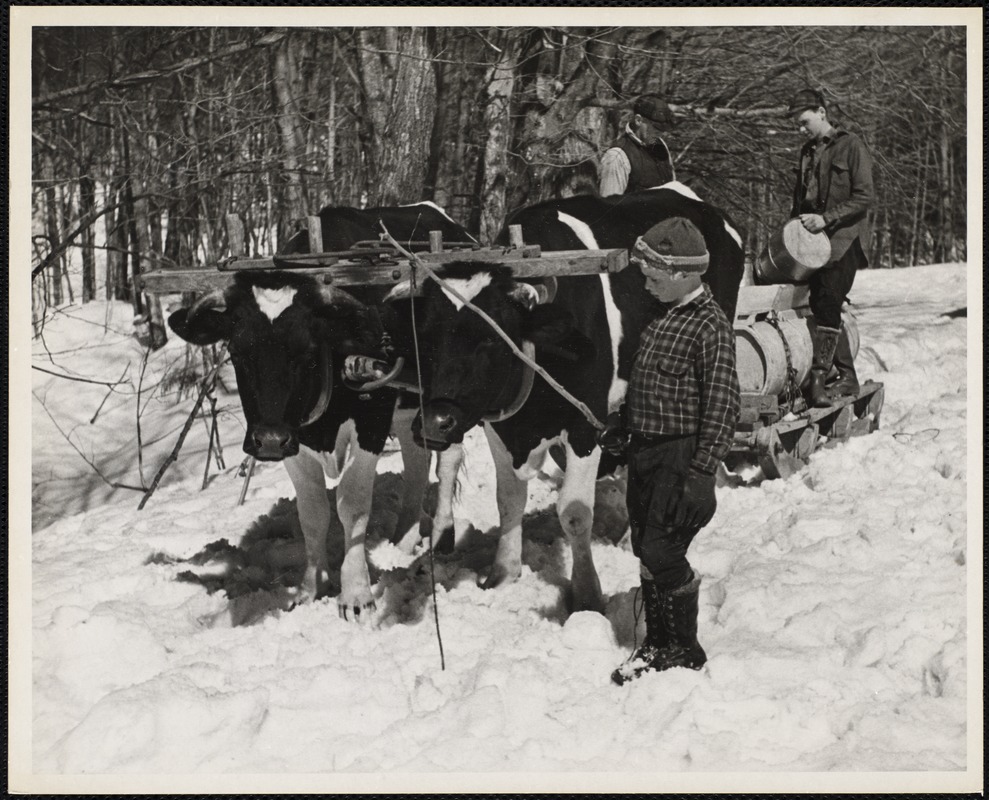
(680, 414)
(833, 194)
(640, 158)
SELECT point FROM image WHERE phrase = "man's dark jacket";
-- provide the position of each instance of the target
(650, 166)
(845, 190)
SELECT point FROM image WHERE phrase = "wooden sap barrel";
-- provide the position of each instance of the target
(793, 255)
(760, 355)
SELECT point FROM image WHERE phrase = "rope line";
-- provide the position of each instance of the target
(422, 416)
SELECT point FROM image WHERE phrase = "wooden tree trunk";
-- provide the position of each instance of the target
(946, 244)
(132, 227)
(87, 208)
(919, 208)
(399, 105)
(116, 261)
(148, 260)
(547, 140)
(497, 122)
(52, 231)
(285, 79)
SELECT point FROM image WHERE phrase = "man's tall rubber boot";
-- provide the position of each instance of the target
(824, 340)
(847, 382)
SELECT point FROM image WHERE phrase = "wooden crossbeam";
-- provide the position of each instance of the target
(527, 263)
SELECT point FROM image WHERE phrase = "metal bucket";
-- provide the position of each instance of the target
(793, 255)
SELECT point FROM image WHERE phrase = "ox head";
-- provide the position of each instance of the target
(473, 372)
(282, 331)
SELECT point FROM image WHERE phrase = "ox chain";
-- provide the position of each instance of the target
(792, 390)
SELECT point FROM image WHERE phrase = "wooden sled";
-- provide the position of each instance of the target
(782, 441)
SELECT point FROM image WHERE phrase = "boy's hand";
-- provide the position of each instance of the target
(613, 438)
(697, 503)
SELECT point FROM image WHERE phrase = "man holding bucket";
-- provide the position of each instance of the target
(833, 194)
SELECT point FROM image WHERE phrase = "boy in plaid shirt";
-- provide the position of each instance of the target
(680, 414)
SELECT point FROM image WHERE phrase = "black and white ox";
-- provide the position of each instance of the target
(585, 338)
(288, 335)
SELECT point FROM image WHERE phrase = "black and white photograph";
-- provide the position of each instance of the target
(495, 399)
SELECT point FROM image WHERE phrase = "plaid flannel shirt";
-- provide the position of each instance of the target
(684, 381)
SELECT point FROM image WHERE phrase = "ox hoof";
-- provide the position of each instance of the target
(443, 543)
(356, 612)
(584, 602)
(498, 576)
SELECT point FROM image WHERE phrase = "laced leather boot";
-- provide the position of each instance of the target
(824, 340)
(671, 633)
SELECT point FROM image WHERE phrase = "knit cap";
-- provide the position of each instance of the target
(673, 244)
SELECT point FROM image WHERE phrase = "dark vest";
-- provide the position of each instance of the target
(651, 166)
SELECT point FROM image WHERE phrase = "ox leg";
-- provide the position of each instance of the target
(307, 475)
(575, 506)
(354, 495)
(511, 493)
(415, 480)
(447, 469)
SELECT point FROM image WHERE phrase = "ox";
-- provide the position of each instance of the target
(585, 337)
(287, 334)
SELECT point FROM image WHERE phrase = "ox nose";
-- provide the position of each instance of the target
(439, 426)
(271, 442)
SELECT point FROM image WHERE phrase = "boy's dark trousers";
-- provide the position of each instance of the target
(657, 468)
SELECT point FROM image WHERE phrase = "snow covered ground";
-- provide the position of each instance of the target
(833, 608)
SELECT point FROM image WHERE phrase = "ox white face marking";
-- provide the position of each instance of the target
(686, 191)
(616, 391)
(468, 288)
(273, 302)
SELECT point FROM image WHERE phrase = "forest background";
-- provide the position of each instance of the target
(143, 139)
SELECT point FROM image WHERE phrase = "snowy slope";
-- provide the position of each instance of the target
(833, 607)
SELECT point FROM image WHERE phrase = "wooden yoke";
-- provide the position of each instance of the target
(379, 263)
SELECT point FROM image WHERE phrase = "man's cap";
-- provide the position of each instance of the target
(673, 244)
(654, 109)
(805, 99)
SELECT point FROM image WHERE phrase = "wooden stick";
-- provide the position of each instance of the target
(581, 407)
(173, 456)
(247, 480)
(212, 435)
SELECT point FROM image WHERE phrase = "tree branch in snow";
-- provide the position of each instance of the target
(92, 465)
(79, 380)
(107, 395)
(205, 388)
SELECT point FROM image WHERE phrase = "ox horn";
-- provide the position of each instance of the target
(215, 300)
(333, 295)
(538, 294)
(402, 291)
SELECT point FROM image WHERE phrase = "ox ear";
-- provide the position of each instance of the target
(207, 326)
(349, 327)
(547, 325)
(552, 327)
